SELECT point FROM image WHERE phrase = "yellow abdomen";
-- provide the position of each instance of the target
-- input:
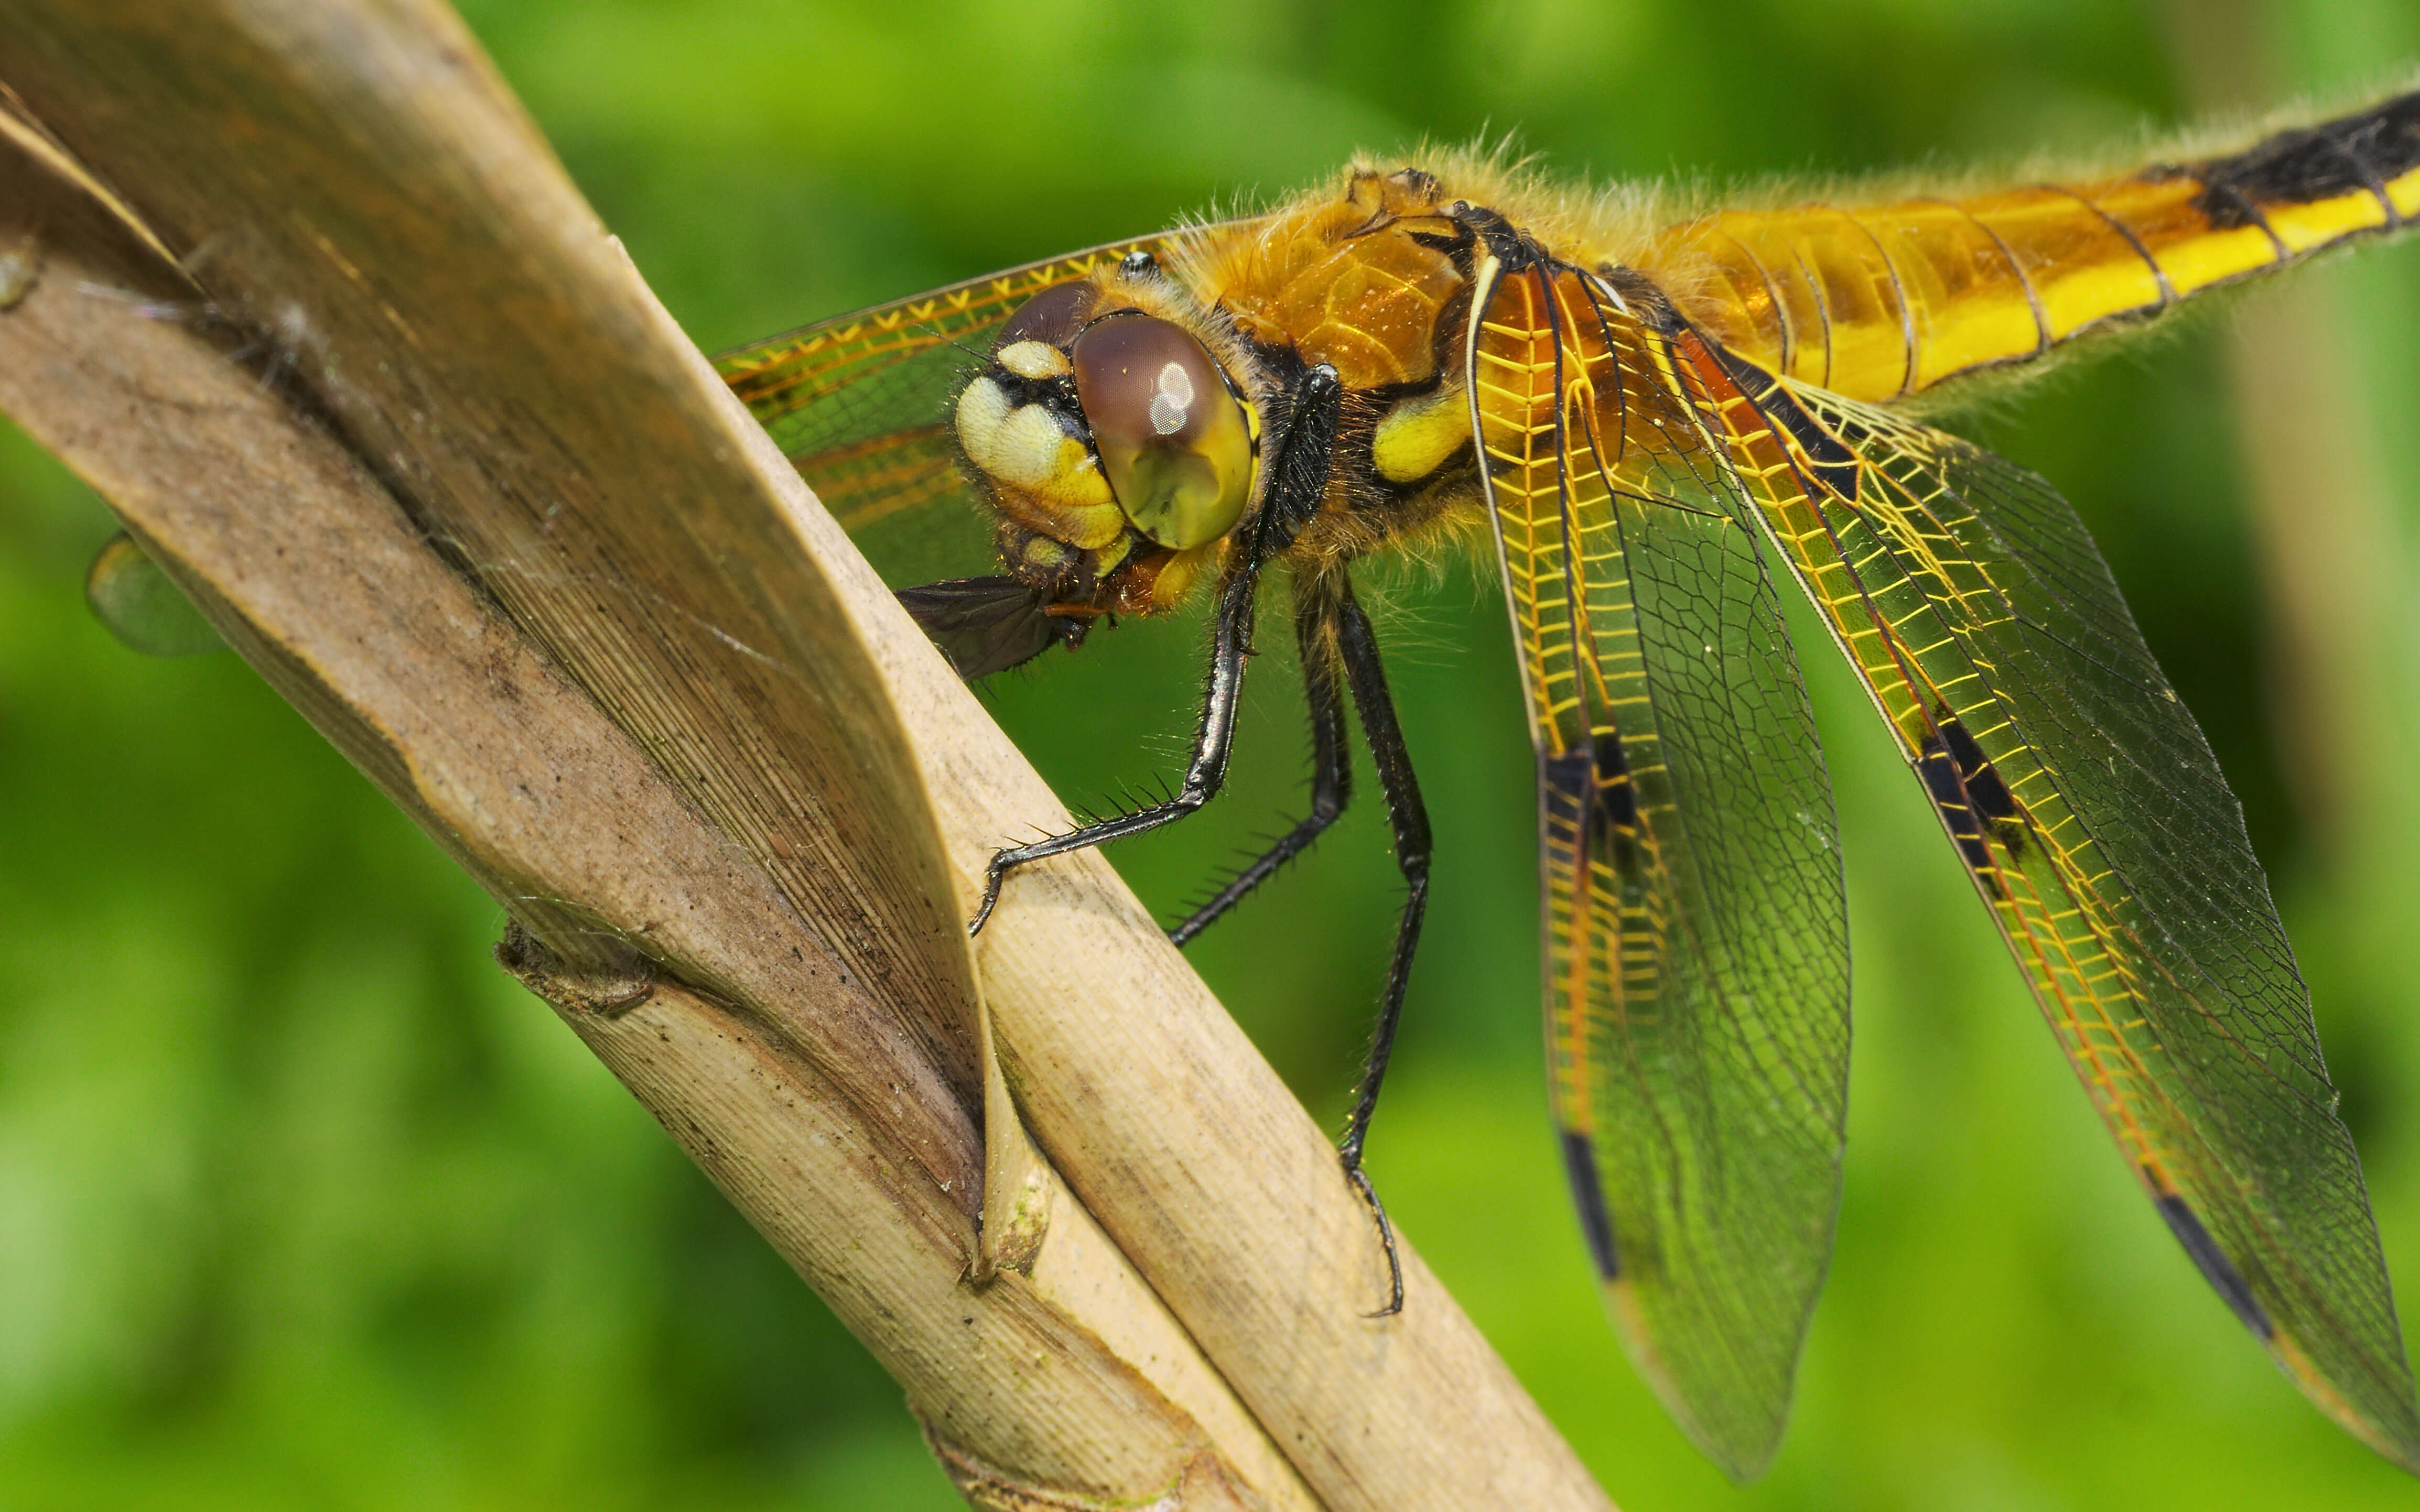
(1878, 302)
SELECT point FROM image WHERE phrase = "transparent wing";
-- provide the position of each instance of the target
(861, 404)
(2096, 824)
(1696, 946)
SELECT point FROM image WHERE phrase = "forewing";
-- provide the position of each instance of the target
(860, 405)
(2096, 824)
(1695, 946)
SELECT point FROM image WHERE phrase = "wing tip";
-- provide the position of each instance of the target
(1740, 1445)
(2393, 1434)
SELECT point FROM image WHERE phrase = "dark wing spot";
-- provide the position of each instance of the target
(989, 624)
(1940, 773)
(1563, 784)
(1596, 1225)
(1984, 789)
(1590, 801)
(1836, 466)
(2216, 1267)
(1967, 790)
(1616, 797)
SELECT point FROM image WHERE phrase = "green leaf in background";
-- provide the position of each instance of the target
(303, 1205)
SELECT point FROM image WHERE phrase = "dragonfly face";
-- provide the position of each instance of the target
(1117, 449)
(1116, 427)
(1656, 427)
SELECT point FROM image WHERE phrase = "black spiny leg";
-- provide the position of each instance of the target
(1358, 648)
(1296, 486)
(1331, 770)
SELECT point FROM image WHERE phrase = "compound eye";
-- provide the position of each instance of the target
(1173, 440)
(1052, 317)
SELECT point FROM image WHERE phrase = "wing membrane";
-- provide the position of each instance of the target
(2096, 826)
(1696, 951)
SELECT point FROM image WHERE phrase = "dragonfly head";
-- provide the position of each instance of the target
(1117, 445)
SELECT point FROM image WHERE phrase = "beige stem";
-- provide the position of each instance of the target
(494, 525)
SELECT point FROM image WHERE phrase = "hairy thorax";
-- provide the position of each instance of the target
(1374, 282)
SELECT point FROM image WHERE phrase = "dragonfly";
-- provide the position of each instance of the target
(1653, 426)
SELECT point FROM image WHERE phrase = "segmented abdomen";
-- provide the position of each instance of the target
(1879, 302)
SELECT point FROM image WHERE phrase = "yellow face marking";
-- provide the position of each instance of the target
(1031, 451)
(1025, 447)
(1045, 477)
(983, 410)
(1035, 359)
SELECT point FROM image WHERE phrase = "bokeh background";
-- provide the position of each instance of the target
(303, 1204)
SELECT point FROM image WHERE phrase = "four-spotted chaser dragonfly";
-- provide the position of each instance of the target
(1652, 425)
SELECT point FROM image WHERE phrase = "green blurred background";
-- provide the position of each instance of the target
(304, 1204)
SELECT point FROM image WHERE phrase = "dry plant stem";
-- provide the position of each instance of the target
(1069, 1371)
(764, 1125)
(442, 291)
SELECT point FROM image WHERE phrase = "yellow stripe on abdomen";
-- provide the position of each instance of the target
(1879, 302)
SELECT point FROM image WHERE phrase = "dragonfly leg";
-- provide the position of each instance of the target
(1357, 646)
(1297, 483)
(1331, 770)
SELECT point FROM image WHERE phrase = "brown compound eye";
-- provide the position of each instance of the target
(1053, 316)
(1173, 439)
